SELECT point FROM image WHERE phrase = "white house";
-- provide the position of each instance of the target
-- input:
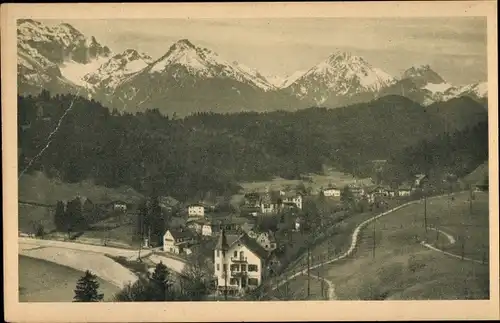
(332, 192)
(196, 210)
(178, 241)
(239, 263)
(119, 206)
(404, 191)
(294, 198)
(267, 205)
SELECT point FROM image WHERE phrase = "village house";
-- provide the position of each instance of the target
(196, 210)
(178, 241)
(200, 226)
(418, 179)
(404, 190)
(298, 222)
(332, 192)
(230, 223)
(267, 240)
(168, 203)
(267, 205)
(252, 199)
(119, 206)
(357, 191)
(390, 192)
(292, 198)
(239, 263)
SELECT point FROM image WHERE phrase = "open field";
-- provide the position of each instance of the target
(44, 281)
(30, 216)
(401, 268)
(38, 187)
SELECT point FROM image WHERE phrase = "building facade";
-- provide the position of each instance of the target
(196, 210)
(239, 264)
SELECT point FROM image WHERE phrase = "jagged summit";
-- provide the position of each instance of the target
(423, 73)
(341, 74)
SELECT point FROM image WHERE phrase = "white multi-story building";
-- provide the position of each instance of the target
(293, 198)
(239, 263)
(196, 210)
(332, 192)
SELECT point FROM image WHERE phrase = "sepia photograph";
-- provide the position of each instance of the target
(268, 159)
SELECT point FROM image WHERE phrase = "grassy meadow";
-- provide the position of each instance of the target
(392, 264)
(44, 281)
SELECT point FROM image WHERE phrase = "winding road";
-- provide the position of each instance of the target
(352, 247)
(92, 257)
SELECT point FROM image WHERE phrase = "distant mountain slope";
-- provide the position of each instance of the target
(423, 85)
(189, 79)
(339, 77)
(44, 52)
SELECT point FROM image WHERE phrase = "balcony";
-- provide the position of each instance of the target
(237, 274)
(239, 259)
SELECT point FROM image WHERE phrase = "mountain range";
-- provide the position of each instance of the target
(190, 78)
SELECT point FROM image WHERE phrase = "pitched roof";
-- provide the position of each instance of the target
(246, 227)
(178, 233)
(254, 246)
(226, 240)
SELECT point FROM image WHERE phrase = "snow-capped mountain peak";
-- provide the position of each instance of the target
(423, 74)
(341, 74)
(206, 63)
(118, 68)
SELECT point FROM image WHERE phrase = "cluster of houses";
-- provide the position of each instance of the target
(371, 193)
(272, 202)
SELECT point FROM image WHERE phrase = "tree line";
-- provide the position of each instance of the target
(209, 152)
(195, 283)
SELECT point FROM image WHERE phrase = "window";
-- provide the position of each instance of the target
(253, 281)
(235, 267)
(235, 254)
(253, 268)
(224, 267)
(218, 253)
(241, 254)
(243, 268)
(218, 267)
(233, 281)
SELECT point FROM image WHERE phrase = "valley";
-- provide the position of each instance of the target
(189, 176)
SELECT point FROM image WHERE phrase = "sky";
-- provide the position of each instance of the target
(455, 47)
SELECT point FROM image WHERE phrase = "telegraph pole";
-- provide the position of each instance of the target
(308, 271)
(374, 241)
(425, 212)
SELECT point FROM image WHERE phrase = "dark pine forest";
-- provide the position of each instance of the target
(211, 152)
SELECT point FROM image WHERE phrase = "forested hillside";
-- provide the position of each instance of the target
(212, 152)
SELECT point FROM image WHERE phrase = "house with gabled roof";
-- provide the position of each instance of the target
(178, 240)
(239, 263)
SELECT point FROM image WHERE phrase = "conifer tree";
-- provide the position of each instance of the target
(87, 289)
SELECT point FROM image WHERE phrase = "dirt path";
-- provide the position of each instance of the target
(331, 290)
(447, 235)
(452, 240)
